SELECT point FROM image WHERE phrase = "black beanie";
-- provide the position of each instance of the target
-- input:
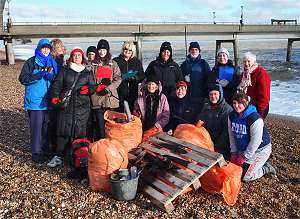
(152, 78)
(165, 46)
(91, 49)
(103, 44)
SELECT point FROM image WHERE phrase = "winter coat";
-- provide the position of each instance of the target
(36, 89)
(260, 89)
(72, 121)
(163, 111)
(168, 73)
(110, 100)
(128, 89)
(247, 132)
(198, 70)
(228, 72)
(215, 121)
(181, 112)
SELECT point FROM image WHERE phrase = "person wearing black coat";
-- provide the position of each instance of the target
(181, 109)
(72, 119)
(214, 114)
(166, 70)
(226, 74)
(132, 74)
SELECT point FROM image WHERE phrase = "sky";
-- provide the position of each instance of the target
(143, 11)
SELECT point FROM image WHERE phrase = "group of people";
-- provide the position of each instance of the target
(67, 101)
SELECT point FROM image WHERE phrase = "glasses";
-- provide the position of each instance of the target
(127, 49)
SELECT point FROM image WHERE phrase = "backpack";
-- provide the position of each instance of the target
(80, 153)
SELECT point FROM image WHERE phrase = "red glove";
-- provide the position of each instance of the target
(135, 113)
(55, 100)
(100, 87)
(240, 160)
(84, 90)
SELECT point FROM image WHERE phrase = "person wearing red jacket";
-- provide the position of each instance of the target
(256, 83)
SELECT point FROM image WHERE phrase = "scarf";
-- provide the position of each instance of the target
(77, 68)
(45, 61)
(152, 101)
(246, 79)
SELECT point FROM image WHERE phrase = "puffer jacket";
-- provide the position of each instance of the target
(110, 100)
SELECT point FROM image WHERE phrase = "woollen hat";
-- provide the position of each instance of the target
(77, 49)
(194, 45)
(91, 49)
(103, 44)
(166, 46)
(181, 84)
(152, 78)
(44, 42)
(223, 50)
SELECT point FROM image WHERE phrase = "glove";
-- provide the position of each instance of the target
(105, 81)
(135, 113)
(49, 76)
(240, 160)
(223, 82)
(84, 90)
(187, 78)
(170, 132)
(41, 74)
(199, 124)
(100, 87)
(103, 92)
(55, 101)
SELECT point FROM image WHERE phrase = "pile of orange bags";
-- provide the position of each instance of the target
(150, 132)
(129, 134)
(197, 135)
(105, 157)
(225, 180)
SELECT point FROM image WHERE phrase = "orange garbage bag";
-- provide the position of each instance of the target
(105, 157)
(225, 180)
(150, 132)
(196, 135)
(129, 134)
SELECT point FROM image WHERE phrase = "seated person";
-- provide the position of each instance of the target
(152, 105)
(214, 115)
(181, 108)
(250, 143)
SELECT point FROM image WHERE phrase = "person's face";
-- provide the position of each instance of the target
(127, 53)
(61, 50)
(181, 92)
(222, 58)
(45, 50)
(214, 96)
(91, 56)
(102, 53)
(165, 55)
(194, 52)
(77, 58)
(238, 107)
(152, 87)
(248, 62)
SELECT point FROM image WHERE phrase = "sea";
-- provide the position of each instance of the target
(270, 52)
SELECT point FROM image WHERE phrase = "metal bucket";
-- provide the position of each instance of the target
(124, 190)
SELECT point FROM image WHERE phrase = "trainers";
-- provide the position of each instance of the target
(55, 161)
(269, 169)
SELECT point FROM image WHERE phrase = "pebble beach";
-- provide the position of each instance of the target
(30, 190)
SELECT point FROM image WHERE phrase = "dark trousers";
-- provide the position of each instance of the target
(38, 121)
(98, 124)
(63, 143)
(53, 129)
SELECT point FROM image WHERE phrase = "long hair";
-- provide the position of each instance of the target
(105, 60)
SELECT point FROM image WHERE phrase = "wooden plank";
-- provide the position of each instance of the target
(196, 185)
(182, 174)
(181, 143)
(173, 179)
(191, 155)
(161, 185)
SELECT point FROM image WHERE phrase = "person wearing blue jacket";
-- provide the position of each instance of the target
(250, 143)
(195, 71)
(37, 75)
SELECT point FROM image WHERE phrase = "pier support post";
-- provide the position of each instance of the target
(235, 50)
(290, 47)
(138, 45)
(10, 58)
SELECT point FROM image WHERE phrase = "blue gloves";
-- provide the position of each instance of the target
(49, 76)
(41, 74)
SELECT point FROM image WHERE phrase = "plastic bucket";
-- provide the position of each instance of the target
(124, 190)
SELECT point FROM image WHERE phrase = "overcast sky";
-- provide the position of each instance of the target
(139, 11)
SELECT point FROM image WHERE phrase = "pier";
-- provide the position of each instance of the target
(140, 32)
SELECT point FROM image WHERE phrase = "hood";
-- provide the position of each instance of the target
(143, 87)
(219, 88)
(42, 42)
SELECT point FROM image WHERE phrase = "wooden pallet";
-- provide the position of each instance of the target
(189, 163)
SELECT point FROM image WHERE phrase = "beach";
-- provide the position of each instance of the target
(30, 190)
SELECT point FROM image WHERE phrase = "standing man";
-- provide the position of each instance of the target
(195, 71)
